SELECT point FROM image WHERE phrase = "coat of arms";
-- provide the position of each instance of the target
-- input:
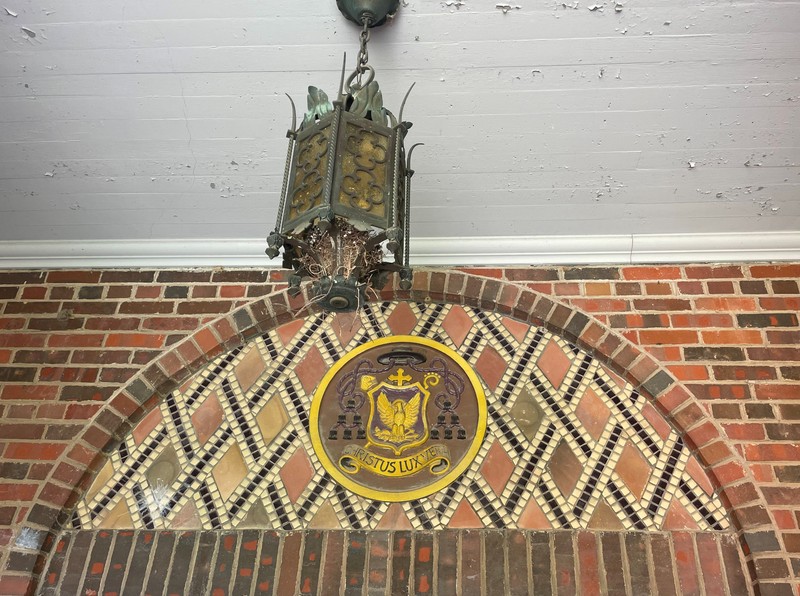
(395, 421)
(398, 418)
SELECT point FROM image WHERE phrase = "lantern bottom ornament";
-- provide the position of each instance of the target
(343, 217)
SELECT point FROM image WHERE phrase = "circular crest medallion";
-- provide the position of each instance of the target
(398, 418)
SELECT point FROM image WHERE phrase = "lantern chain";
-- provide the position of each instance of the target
(363, 53)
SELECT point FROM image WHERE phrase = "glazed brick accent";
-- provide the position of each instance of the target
(515, 563)
(70, 340)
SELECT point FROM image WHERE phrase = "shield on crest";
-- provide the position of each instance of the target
(397, 419)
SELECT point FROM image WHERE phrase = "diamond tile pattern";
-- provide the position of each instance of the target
(568, 443)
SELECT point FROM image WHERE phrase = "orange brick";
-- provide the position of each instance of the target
(134, 340)
(775, 271)
(783, 303)
(726, 304)
(638, 273)
(602, 304)
(148, 292)
(597, 289)
(733, 336)
(232, 291)
(658, 289)
(668, 336)
(749, 431)
(689, 372)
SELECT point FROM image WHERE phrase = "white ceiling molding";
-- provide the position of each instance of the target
(507, 250)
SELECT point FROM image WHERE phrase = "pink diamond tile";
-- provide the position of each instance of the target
(289, 330)
(678, 518)
(533, 518)
(250, 368)
(402, 320)
(296, 474)
(491, 366)
(395, 519)
(592, 413)
(146, 425)
(457, 324)
(207, 418)
(657, 421)
(346, 326)
(187, 518)
(633, 469)
(465, 517)
(699, 475)
(554, 363)
(311, 369)
(497, 468)
(517, 329)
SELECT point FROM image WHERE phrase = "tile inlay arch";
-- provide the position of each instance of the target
(229, 332)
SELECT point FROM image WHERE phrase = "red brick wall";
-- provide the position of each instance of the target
(71, 340)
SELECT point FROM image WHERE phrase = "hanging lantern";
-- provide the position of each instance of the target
(343, 217)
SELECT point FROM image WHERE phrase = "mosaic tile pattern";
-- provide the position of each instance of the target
(569, 444)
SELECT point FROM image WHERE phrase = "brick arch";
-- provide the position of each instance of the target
(76, 469)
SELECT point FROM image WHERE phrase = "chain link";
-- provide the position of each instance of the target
(363, 53)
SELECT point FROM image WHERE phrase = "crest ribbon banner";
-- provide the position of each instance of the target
(354, 458)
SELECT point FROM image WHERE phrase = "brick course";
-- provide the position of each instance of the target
(485, 562)
(69, 340)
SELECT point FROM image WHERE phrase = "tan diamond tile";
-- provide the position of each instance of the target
(118, 518)
(527, 413)
(271, 419)
(593, 413)
(230, 471)
(497, 468)
(257, 517)
(103, 476)
(325, 518)
(633, 469)
(457, 324)
(250, 368)
(604, 518)
(565, 468)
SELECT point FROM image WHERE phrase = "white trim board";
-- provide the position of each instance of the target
(497, 251)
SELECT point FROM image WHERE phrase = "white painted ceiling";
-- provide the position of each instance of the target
(161, 123)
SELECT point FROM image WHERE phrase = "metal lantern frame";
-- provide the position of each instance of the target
(345, 202)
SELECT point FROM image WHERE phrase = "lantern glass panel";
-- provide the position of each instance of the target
(309, 171)
(364, 170)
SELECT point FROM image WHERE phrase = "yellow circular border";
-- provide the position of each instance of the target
(418, 493)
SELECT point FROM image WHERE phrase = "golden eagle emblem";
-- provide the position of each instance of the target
(399, 417)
